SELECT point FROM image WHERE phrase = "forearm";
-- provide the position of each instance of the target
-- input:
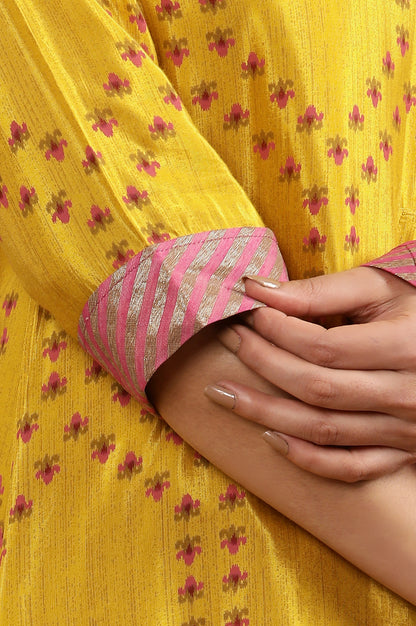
(371, 523)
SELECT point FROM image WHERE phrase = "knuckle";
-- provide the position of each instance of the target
(355, 472)
(322, 353)
(323, 433)
(319, 392)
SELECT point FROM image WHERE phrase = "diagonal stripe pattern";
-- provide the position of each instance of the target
(147, 309)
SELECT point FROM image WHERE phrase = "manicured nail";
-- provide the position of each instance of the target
(220, 396)
(264, 282)
(230, 339)
(276, 441)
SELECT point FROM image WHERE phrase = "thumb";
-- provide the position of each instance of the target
(333, 294)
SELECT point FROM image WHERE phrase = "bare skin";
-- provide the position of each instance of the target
(370, 523)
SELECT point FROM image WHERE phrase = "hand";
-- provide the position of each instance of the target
(352, 386)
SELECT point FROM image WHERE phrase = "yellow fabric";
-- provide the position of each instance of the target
(91, 543)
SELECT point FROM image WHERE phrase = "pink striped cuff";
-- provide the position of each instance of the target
(400, 261)
(147, 309)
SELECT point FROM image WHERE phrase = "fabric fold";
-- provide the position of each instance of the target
(140, 315)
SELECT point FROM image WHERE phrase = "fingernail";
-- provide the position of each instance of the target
(276, 441)
(230, 339)
(220, 396)
(264, 282)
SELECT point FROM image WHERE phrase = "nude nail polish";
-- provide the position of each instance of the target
(230, 339)
(221, 396)
(264, 282)
(276, 442)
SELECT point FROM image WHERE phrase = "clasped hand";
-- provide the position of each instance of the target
(350, 413)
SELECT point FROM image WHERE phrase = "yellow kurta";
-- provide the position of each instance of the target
(122, 125)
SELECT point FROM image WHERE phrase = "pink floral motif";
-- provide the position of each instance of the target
(27, 426)
(352, 240)
(99, 218)
(189, 549)
(191, 590)
(369, 170)
(136, 197)
(3, 196)
(56, 385)
(291, 169)
(237, 617)
(19, 134)
(356, 118)
(134, 56)
(91, 161)
(172, 436)
(167, 8)
(137, 18)
(205, 94)
(352, 199)
(236, 117)
(157, 485)
(154, 234)
(402, 39)
(119, 254)
(121, 395)
(262, 144)
(3, 551)
(315, 241)
(56, 150)
(94, 372)
(315, 198)
(206, 5)
(373, 91)
(232, 538)
(10, 303)
(235, 579)
(221, 41)
(76, 426)
(55, 344)
(160, 128)
(311, 119)
(388, 65)
(177, 50)
(59, 207)
(145, 163)
(187, 508)
(105, 126)
(385, 145)
(116, 84)
(171, 97)
(48, 468)
(409, 98)
(103, 448)
(253, 66)
(21, 508)
(397, 120)
(132, 465)
(281, 92)
(3, 341)
(232, 497)
(336, 150)
(28, 199)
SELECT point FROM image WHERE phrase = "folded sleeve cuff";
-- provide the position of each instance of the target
(140, 315)
(400, 261)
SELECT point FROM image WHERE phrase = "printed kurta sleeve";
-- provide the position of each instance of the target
(401, 261)
(99, 161)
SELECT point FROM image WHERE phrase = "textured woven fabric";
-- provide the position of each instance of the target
(128, 124)
(147, 309)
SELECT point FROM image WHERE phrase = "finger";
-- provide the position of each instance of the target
(383, 391)
(348, 465)
(385, 344)
(320, 426)
(332, 294)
